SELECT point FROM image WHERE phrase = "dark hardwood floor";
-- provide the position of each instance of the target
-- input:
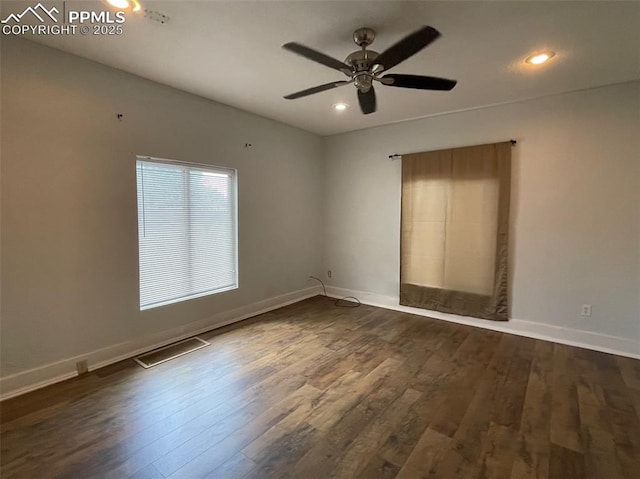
(315, 391)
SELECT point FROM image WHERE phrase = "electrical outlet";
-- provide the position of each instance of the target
(329, 274)
(586, 310)
(82, 367)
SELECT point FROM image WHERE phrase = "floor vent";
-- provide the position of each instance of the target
(167, 353)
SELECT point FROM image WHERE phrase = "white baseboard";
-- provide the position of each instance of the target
(36, 378)
(557, 334)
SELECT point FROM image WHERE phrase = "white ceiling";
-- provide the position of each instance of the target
(231, 52)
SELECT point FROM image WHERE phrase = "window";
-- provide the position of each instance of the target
(187, 234)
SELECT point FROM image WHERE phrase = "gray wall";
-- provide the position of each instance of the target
(575, 211)
(69, 224)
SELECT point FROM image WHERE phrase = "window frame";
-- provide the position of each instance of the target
(234, 216)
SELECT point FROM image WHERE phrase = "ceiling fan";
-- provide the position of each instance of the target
(363, 66)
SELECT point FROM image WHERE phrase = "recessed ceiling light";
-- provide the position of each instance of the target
(539, 58)
(340, 106)
(125, 4)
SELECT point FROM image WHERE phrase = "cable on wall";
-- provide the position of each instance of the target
(340, 302)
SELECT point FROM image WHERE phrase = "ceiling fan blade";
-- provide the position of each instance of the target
(367, 101)
(318, 57)
(419, 82)
(316, 89)
(406, 47)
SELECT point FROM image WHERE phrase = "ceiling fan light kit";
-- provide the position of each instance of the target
(364, 67)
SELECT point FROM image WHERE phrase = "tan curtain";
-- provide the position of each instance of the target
(454, 232)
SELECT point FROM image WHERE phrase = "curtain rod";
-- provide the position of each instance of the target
(397, 156)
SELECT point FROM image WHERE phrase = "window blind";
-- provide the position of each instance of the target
(187, 234)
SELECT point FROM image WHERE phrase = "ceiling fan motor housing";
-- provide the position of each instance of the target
(361, 62)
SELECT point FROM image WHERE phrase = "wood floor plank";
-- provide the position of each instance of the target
(565, 462)
(498, 452)
(294, 442)
(532, 460)
(149, 472)
(377, 390)
(630, 371)
(403, 439)
(315, 391)
(600, 459)
(364, 448)
(238, 466)
(426, 455)
(465, 456)
(565, 415)
(380, 469)
(201, 454)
